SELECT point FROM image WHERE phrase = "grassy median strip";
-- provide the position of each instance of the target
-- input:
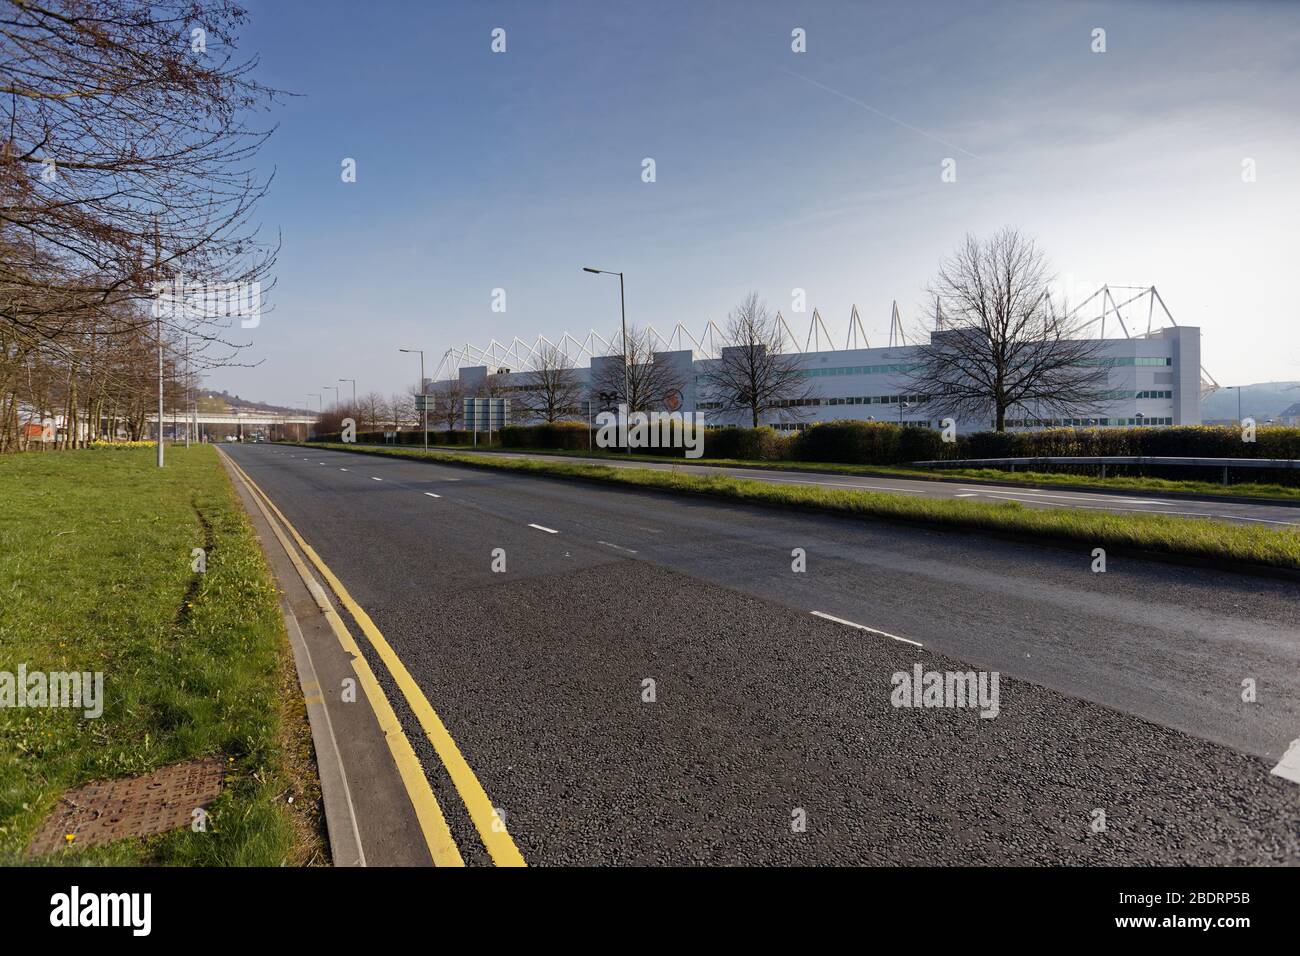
(1148, 483)
(95, 572)
(1190, 537)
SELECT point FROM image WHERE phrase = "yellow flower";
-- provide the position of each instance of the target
(69, 837)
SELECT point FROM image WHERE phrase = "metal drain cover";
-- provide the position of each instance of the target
(106, 810)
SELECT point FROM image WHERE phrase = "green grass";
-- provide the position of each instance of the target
(95, 554)
(1199, 538)
(1118, 483)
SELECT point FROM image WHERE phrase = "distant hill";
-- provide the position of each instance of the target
(214, 401)
(1261, 401)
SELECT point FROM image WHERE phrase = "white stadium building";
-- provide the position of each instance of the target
(1155, 377)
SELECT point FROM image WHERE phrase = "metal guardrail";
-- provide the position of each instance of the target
(1103, 460)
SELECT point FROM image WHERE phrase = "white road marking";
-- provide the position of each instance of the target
(1043, 494)
(972, 494)
(1288, 767)
(342, 469)
(1245, 518)
(547, 530)
(432, 495)
(373, 478)
(617, 547)
(869, 630)
(834, 484)
(1144, 511)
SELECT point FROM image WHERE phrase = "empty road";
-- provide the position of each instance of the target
(641, 678)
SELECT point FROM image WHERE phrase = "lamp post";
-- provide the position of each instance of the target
(622, 308)
(354, 391)
(424, 400)
(1238, 388)
(336, 393)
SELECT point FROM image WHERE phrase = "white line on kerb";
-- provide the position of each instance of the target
(547, 530)
(869, 630)
(1288, 767)
(373, 478)
(432, 495)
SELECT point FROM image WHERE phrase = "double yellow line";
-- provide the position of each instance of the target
(442, 847)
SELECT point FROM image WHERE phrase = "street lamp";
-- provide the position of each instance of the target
(622, 306)
(336, 393)
(1238, 388)
(354, 391)
(424, 400)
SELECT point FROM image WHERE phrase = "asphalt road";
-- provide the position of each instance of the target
(1240, 512)
(1120, 693)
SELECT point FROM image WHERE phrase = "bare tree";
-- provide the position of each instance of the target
(753, 374)
(447, 406)
(551, 391)
(1000, 341)
(126, 165)
(371, 411)
(124, 143)
(648, 386)
(401, 408)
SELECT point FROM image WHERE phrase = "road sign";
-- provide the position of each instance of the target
(425, 401)
(485, 415)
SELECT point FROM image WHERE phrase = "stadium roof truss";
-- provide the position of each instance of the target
(1132, 295)
(519, 355)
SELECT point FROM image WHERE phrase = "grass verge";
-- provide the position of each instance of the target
(95, 569)
(1187, 537)
(1056, 479)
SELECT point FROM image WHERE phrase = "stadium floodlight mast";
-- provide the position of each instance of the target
(622, 307)
(424, 398)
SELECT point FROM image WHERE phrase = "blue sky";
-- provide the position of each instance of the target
(775, 170)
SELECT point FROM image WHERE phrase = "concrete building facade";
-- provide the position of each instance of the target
(1153, 379)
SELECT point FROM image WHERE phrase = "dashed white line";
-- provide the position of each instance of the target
(342, 469)
(373, 478)
(869, 630)
(547, 530)
(432, 495)
(617, 547)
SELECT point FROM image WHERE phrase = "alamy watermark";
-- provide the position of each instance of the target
(130, 910)
(188, 299)
(77, 690)
(652, 430)
(948, 689)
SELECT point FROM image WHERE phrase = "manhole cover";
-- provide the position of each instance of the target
(106, 810)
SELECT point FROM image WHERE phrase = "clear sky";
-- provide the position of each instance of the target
(774, 169)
